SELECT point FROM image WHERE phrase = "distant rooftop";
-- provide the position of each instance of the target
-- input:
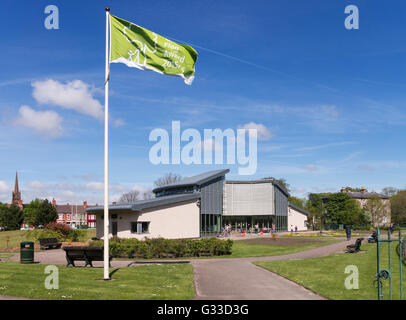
(366, 195)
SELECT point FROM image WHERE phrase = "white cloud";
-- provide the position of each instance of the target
(95, 186)
(44, 122)
(311, 168)
(4, 187)
(263, 132)
(36, 185)
(76, 95)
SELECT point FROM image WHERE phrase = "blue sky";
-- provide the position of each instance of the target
(330, 99)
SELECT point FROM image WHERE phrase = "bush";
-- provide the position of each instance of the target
(166, 248)
(57, 227)
(55, 230)
(44, 233)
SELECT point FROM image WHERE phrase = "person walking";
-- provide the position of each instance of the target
(348, 231)
(295, 229)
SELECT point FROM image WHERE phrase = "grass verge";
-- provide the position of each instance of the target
(150, 282)
(326, 275)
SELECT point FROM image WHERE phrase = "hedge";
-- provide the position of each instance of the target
(55, 230)
(166, 248)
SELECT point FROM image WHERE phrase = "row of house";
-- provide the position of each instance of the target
(74, 215)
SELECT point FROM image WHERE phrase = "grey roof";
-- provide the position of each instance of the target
(299, 209)
(260, 181)
(366, 195)
(150, 203)
(69, 208)
(195, 180)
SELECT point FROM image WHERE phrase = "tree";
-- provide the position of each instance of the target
(30, 212)
(167, 179)
(148, 195)
(352, 189)
(40, 212)
(11, 217)
(389, 191)
(130, 197)
(301, 203)
(282, 182)
(377, 210)
(398, 207)
(342, 209)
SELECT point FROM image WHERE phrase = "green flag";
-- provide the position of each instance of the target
(143, 49)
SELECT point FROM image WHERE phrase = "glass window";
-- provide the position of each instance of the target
(140, 227)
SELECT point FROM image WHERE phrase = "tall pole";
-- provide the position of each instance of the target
(106, 155)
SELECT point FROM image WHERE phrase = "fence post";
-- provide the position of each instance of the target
(390, 271)
(400, 263)
(378, 271)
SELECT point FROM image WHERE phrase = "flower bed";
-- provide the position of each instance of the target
(166, 248)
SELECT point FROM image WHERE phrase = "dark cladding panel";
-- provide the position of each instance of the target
(281, 202)
(212, 196)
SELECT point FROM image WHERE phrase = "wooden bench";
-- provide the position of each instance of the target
(82, 253)
(49, 243)
(356, 247)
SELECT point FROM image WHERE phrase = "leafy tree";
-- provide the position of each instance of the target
(167, 179)
(40, 212)
(301, 203)
(389, 191)
(282, 182)
(398, 207)
(377, 209)
(11, 217)
(351, 189)
(342, 209)
(30, 212)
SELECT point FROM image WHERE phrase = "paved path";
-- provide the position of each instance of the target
(240, 279)
(228, 278)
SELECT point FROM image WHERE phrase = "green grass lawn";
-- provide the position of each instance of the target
(326, 276)
(245, 248)
(174, 281)
(15, 237)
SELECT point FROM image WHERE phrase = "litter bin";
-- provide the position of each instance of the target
(27, 252)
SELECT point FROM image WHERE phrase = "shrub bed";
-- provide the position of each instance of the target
(55, 230)
(166, 248)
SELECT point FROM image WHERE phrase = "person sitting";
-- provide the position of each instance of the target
(373, 237)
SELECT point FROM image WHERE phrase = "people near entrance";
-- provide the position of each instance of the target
(373, 237)
(273, 228)
(348, 231)
(256, 227)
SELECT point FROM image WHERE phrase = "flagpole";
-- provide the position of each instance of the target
(106, 154)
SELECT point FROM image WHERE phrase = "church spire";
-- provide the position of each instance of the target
(16, 184)
(16, 193)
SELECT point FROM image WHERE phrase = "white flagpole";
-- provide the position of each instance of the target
(106, 155)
